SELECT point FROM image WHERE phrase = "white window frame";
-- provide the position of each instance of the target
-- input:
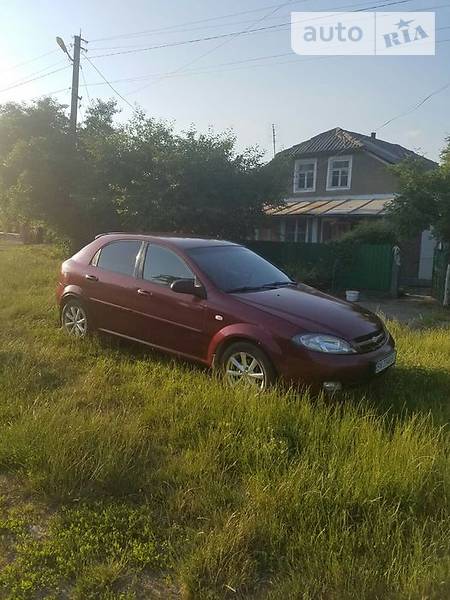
(305, 161)
(329, 170)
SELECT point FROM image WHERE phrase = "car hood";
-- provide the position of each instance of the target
(313, 311)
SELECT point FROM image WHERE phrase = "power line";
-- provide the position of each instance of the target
(110, 85)
(207, 69)
(171, 30)
(301, 61)
(416, 106)
(236, 33)
(26, 62)
(169, 27)
(216, 68)
(54, 92)
(297, 61)
(26, 77)
(226, 41)
(11, 87)
(185, 42)
(143, 45)
(182, 68)
(85, 85)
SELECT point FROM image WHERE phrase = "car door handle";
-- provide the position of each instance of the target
(91, 277)
(144, 292)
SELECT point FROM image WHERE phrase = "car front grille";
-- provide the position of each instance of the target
(367, 343)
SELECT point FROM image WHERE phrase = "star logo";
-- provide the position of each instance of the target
(402, 24)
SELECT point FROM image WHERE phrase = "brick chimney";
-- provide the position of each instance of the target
(373, 135)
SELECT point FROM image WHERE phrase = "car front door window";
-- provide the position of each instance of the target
(163, 267)
(169, 319)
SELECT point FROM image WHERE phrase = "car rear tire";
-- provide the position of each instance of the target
(75, 319)
(245, 363)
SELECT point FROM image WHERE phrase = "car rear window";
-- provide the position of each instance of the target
(119, 257)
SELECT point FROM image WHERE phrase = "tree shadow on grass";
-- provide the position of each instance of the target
(407, 390)
(400, 392)
(135, 350)
(29, 373)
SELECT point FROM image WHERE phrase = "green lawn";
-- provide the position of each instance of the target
(124, 474)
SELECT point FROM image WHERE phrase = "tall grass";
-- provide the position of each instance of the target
(274, 496)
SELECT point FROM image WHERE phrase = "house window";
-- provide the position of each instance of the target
(305, 175)
(339, 173)
(295, 229)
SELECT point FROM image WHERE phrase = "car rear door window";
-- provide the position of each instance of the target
(119, 257)
(163, 266)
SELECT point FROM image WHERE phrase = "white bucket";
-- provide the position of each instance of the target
(352, 295)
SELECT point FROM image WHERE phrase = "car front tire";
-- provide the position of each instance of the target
(245, 363)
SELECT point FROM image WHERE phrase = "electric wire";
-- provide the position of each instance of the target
(12, 87)
(109, 84)
(222, 43)
(85, 84)
(416, 106)
(172, 27)
(231, 34)
(30, 60)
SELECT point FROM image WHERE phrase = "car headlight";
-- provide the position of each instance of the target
(320, 342)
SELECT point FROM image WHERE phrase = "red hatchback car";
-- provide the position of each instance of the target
(220, 304)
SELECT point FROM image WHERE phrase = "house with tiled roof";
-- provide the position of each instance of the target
(340, 178)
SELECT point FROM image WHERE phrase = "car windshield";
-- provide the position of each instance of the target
(237, 269)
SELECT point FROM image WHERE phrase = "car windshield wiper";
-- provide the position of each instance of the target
(256, 288)
(246, 288)
(278, 283)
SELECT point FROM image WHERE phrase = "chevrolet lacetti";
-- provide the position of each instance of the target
(222, 305)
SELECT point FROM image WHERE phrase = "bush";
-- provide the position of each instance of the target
(379, 231)
(319, 276)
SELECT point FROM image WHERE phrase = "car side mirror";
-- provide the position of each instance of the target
(188, 286)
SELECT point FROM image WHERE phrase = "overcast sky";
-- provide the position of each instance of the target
(301, 95)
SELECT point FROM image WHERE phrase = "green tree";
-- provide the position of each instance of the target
(424, 197)
(139, 175)
(33, 152)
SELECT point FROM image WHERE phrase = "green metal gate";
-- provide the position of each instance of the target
(368, 267)
(371, 268)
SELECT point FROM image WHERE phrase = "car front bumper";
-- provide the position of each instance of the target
(315, 368)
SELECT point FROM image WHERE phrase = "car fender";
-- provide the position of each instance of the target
(72, 290)
(253, 333)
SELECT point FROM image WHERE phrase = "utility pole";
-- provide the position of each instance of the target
(75, 78)
(274, 140)
(75, 82)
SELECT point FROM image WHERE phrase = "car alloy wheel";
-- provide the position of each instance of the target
(74, 319)
(242, 367)
(245, 363)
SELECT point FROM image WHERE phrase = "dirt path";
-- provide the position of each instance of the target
(413, 310)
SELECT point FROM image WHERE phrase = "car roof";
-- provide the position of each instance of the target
(169, 240)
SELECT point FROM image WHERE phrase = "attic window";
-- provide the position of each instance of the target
(305, 175)
(339, 173)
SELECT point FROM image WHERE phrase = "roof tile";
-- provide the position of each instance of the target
(339, 140)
